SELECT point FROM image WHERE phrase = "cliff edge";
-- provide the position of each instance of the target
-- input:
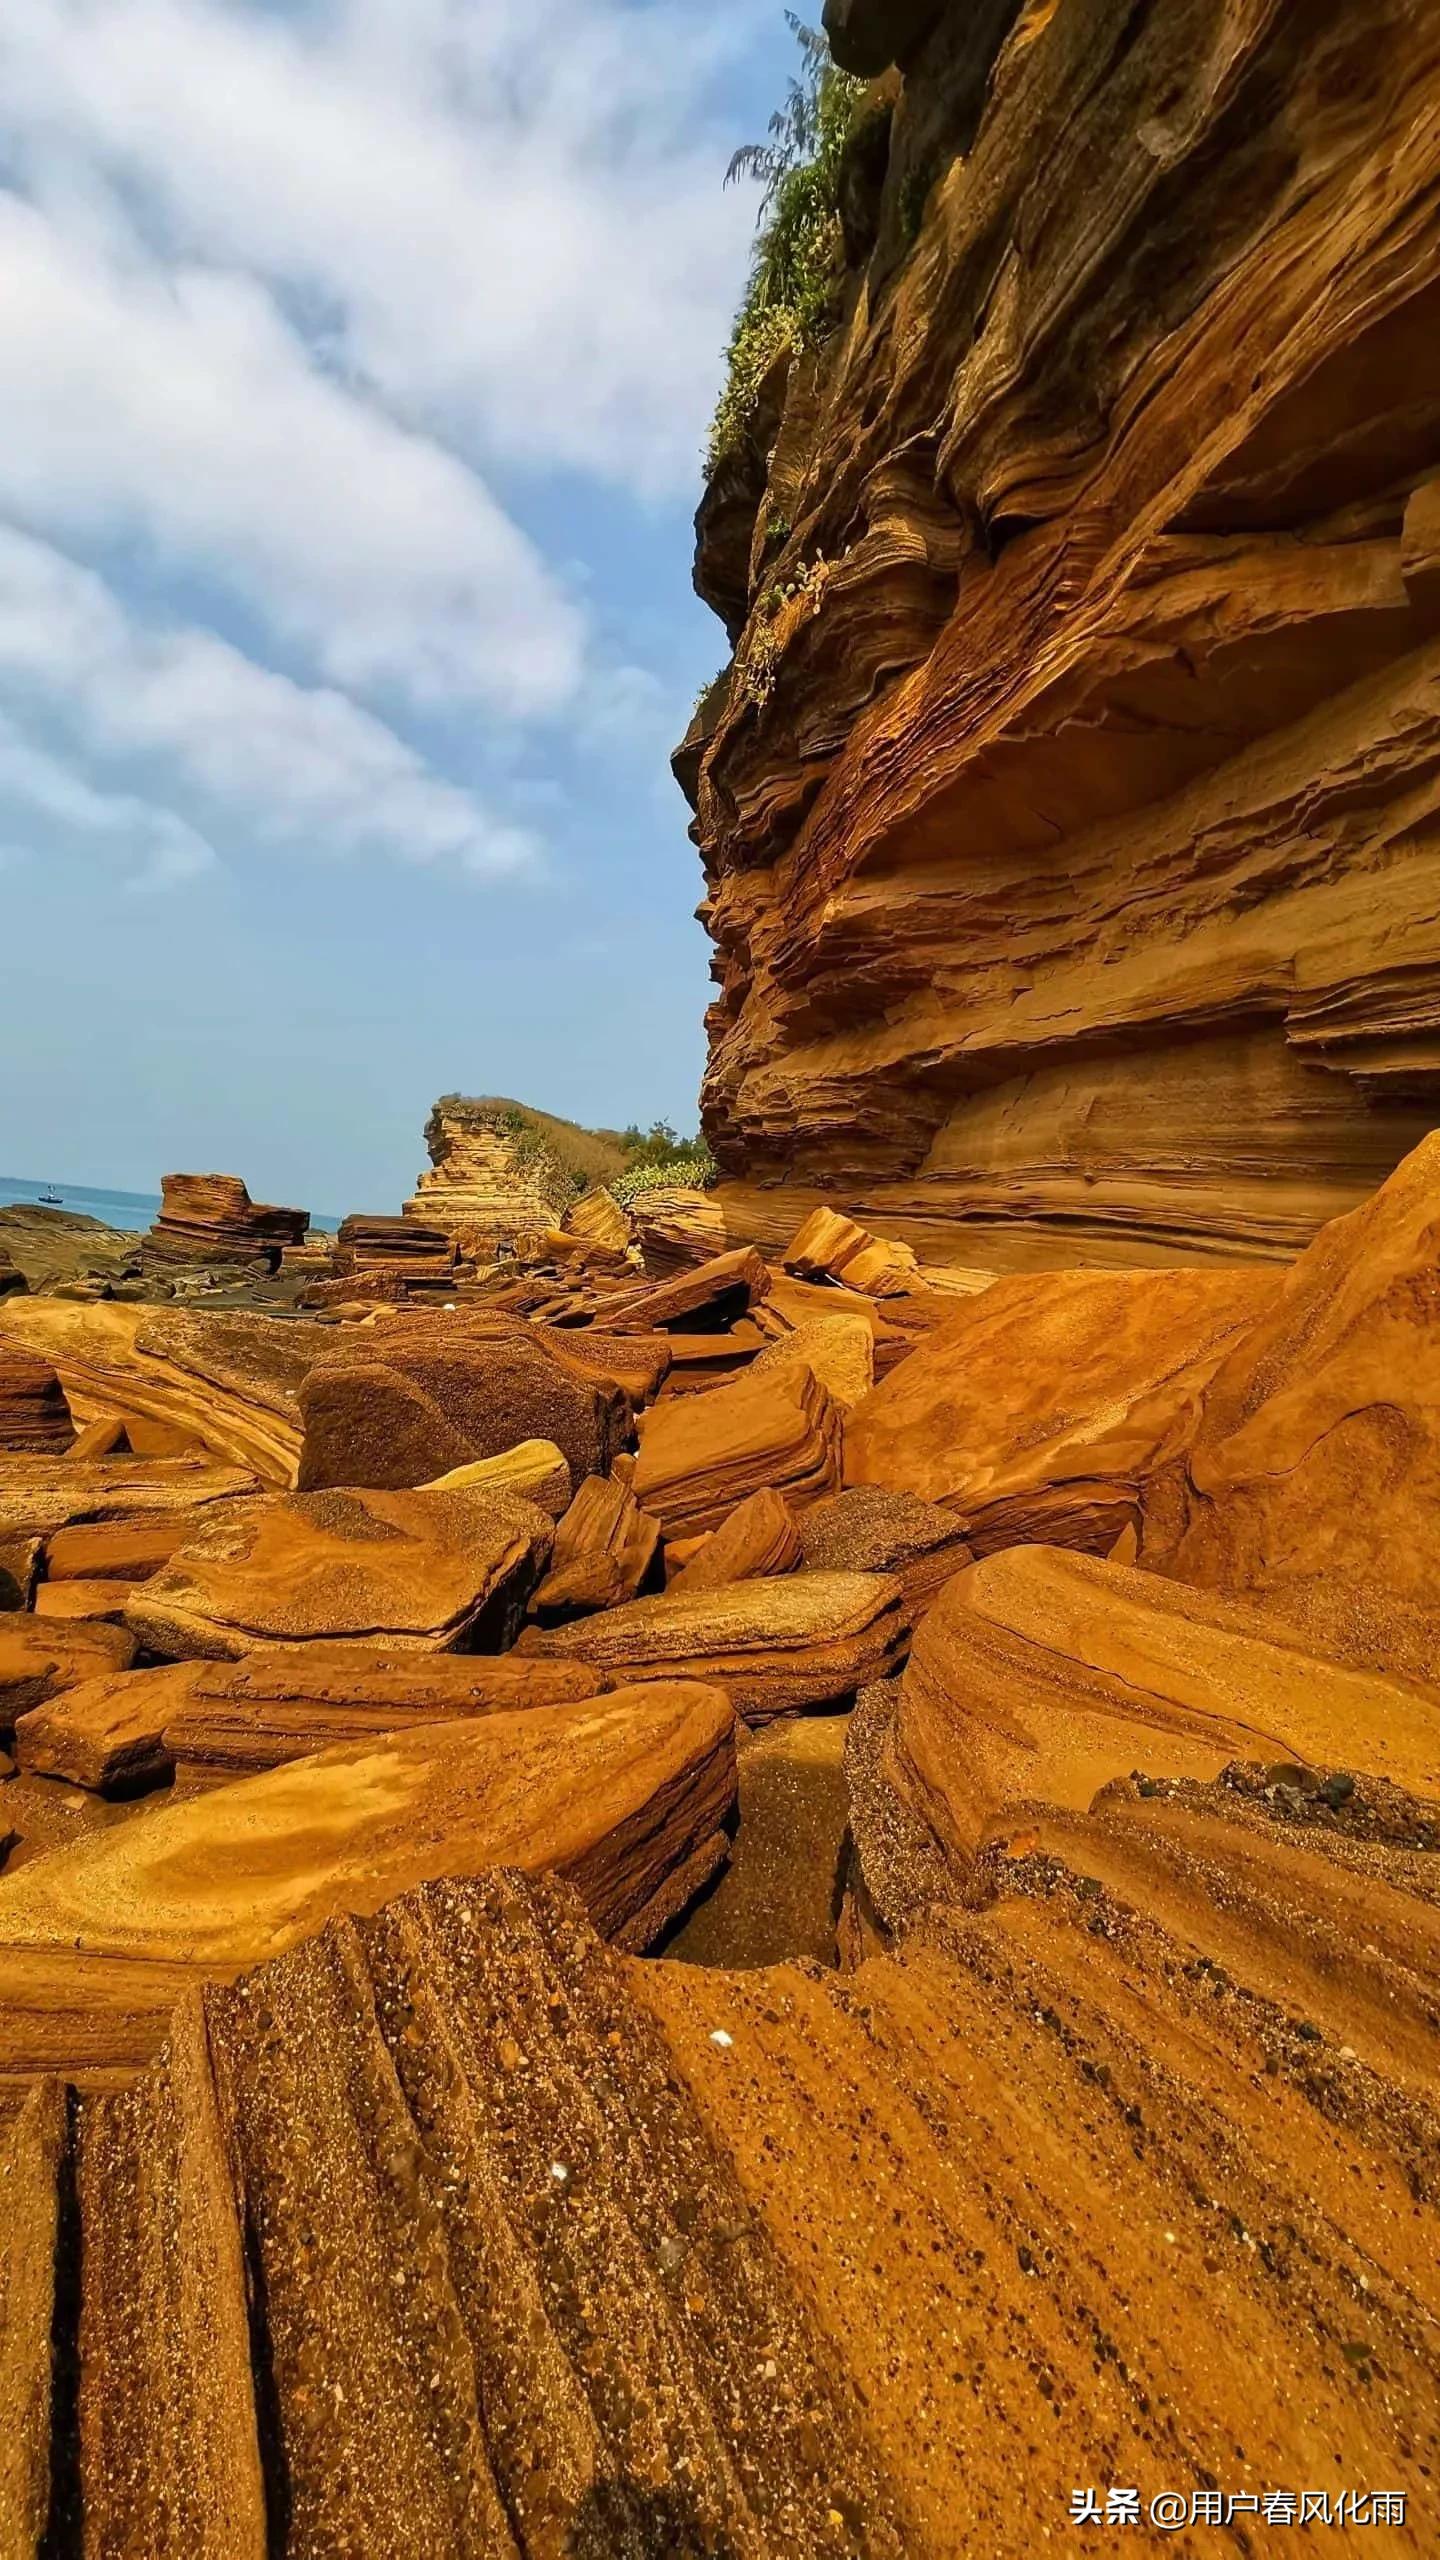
(1067, 807)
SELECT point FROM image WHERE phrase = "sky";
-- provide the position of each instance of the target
(355, 364)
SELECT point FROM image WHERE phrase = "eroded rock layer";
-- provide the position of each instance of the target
(1068, 813)
(454, 2231)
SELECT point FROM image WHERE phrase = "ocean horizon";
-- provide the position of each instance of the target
(129, 1211)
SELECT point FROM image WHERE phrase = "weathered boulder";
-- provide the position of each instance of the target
(424, 1395)
(418, 1569)
(802, 1641)
(41, 1497)
(1043, 1405)
(1312, 1482)
(874, 1530)
(624, 1794)
(535, 1469)
(677, 1227)
(701, 1455)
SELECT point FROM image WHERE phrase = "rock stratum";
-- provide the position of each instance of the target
(1068, 806)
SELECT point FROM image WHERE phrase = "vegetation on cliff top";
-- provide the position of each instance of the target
(624, 1161)
(799, 261)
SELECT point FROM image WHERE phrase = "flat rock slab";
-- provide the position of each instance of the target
(40, 1496)
(802, 1640)
(426, 1569)
(625, 1795)
(212, 1721)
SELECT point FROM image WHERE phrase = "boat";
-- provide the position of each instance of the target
(52, 1199)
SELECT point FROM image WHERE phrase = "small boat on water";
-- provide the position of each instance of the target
(52, 1199)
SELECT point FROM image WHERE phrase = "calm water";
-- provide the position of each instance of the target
(129, 1210)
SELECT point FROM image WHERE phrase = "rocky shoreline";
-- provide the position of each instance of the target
(381, 1677)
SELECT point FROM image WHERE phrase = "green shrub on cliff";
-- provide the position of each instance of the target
(658, 1158)
(799, 262)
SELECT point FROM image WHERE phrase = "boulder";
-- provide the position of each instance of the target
(114, 1550)
(701, 1455)
(758, 1541)
(33, 1412)
(597, 1218)
(831, 1247)
(872, 1530)
(625, 1795)
(804, 1640)
(1041, 1407)
(605, 1550)
(637, 1362)
(425, 1395)
(424, 1570)
(1312, 1481)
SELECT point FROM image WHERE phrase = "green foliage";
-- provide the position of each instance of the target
(691, 1164)
(792, 296)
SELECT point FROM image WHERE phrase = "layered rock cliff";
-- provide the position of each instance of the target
(1068, 808)
(497, 1169)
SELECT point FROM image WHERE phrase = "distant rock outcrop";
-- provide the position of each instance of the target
(498, 1169)
(1067, 812)
(211, 1218)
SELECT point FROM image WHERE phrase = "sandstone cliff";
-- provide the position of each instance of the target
(1068, 807)
(498, 1169)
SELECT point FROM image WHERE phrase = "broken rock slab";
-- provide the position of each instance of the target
(803, 1640)
(759, 1539)
(33, 1412)
(606, 1548)
(41, 1657)
(625, 1795)
(702, 1455)
(872, 1530)
(422, 1569)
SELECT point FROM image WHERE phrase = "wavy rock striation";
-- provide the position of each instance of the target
(1068, 812)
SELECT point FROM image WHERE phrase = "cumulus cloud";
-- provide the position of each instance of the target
(507, 213)
(245, 747)
(306, 303)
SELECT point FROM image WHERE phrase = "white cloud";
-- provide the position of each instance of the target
(155, 848)
(292, 293)
(180, 409)
(247, 748)
(509, 212)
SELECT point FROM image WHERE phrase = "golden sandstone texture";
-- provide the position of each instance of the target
(787, 1903)
(1067, 808)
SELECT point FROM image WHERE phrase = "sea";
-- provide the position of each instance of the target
(131, 1211)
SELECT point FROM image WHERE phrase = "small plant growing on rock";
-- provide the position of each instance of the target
(795, 275)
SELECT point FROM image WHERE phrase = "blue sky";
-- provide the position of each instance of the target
(355, 362)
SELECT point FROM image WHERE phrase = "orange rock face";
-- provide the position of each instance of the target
(1312, 1482)
(1091, 599)
(1043, 1405)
